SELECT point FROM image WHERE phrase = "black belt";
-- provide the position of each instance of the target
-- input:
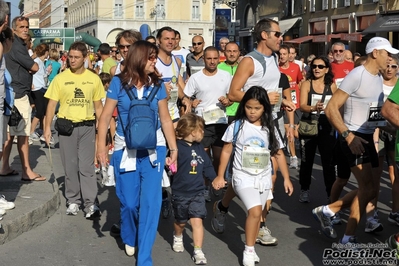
(87, 123)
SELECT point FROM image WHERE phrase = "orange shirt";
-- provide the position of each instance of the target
(294, 76)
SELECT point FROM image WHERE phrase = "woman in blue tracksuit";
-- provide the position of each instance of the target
(138, 173)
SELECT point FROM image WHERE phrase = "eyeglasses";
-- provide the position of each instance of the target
(114, 51)
(23, 18)
(197, 43)
(338, 51)
(124, 46)
(277, 34)
(152, 57)
(318, 66)
(392, 66)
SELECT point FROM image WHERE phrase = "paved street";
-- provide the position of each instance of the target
(75, 241)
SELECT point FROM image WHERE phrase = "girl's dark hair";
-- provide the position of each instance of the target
(329, 77)
(187, 124)
(258, 93)
(135, 63)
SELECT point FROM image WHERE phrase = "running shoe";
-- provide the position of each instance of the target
(199, 257)
(294, 162)
(6, 205)
(265, 237)
(373, 226)
(325, 222)
(178, 244)
(304, 196)
(394, 217)
(73, 209)
(218, 219)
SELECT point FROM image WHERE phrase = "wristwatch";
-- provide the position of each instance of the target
(345, 134)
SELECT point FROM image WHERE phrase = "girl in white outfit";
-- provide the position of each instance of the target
(255, 141)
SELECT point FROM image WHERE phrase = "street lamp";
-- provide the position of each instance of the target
(155, 12)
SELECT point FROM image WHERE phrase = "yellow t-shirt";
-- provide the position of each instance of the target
(76, 94)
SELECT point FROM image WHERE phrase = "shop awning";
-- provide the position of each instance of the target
(300, 40)
(354, 37)
(287, 24)
(383, 24)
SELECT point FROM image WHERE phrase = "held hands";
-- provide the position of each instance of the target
(274, 97)
(195, 103)
(171, 159)
(218, 182)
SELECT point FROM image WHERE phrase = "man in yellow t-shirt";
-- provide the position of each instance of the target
(79, 92)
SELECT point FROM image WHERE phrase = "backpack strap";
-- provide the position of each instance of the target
(237, 125)
(154, 91)
(261, 58)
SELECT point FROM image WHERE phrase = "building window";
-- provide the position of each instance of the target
(160, 9)
(296, 7)
(140, 9)
(196, 10)
(118, 11)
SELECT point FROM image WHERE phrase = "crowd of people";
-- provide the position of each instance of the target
(224, 123)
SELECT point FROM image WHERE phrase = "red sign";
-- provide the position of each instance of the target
(320, 38)
(354, 37)
(318, 27)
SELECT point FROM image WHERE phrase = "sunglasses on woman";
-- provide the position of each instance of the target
(392, 66)
(318, 66)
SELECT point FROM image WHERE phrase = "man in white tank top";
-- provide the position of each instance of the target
(252, 72)
(362, 96)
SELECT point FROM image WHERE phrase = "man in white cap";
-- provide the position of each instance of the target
(362, 96)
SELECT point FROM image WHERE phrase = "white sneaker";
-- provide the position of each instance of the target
(73, 209)
(178, 244)
(51, 142)
(294, 162)
(94, 212)
(6, 205)
(248, 258)
(129, 250)
(2, 213)
(199, 257)
(34, 136)
(265, 237)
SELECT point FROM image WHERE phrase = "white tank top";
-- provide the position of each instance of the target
(270, 80)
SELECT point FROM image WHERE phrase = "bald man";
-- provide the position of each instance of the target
(348, 56)
(195, 60)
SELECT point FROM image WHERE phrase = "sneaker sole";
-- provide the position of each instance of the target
(378, 229)
(201, 262)
(319, 220)
(266, 243)
(178, 251)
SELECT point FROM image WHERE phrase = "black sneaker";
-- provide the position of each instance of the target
(115, 230)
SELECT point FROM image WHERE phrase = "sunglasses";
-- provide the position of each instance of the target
(152, 57)
(124, 46)
(21, 18)
(114, 51)
(318, 66)
(338, 51)
(392, 66)
(277, 34)
(197, 43)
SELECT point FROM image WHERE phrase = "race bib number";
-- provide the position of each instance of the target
(255, 159)
(375, 119)
(293, 96)
(214, 115)
(277, 106)
(195, 69)
(173, 94)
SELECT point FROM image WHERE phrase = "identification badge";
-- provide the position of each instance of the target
(255, 159)
(293, 96)
(375, 119)
(214, 115)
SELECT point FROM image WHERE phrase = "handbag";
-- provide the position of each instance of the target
(310, 127)
(15, 116)
(64, 126)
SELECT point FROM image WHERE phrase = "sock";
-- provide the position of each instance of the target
(327, 212)
(197, 248)
(262, 224)
(345, 239)
(249, 249)
(222, 208)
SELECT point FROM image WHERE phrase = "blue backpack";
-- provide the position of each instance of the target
(229, 173)
(142, 122)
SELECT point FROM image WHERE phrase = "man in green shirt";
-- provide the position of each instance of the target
(232, 53)
(108, 61)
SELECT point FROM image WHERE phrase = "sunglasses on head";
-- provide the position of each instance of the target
(197, 43)
(277, 34)
(152, 57)
(318, 66)
(338, 51)
(123, 46)
(393, 66)
(21, 18)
